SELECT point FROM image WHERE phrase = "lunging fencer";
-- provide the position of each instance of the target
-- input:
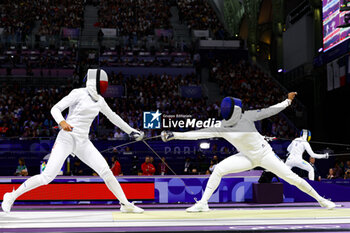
(84, 105)
(296, 150)
(238, 128)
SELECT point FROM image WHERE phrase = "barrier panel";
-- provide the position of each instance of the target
(164, 189)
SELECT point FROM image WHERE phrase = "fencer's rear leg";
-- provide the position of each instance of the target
(61, 150)
(275, 165)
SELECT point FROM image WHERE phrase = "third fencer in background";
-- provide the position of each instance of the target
(296, 150)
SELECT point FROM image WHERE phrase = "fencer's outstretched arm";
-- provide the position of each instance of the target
(260, 114)
(70, 99)
(115, 119)
(313, 154)
(257, 115)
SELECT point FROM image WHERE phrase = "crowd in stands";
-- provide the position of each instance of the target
(155, 92)
(43, 58)
(340, 170)
(18, 17)
(142, 58)
(134, 17)
(143, 93)
(199, 15)
(55, 14)
(256, 89)
(25, 112)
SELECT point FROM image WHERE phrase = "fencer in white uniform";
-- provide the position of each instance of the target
(238, 128)
(84, 105)
(296, 150)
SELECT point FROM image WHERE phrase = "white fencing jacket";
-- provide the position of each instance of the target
(297, 147)
(83, 110)
(243, 135)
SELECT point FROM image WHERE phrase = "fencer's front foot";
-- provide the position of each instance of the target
(198, 207)
(131, 208)
(167, 136)
(7, 202)
(328, 204)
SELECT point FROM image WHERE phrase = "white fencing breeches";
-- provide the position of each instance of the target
(239, 162)
(65, 144)
(302, 164)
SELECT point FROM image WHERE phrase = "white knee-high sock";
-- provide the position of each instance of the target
(213, 183)
(113, 185)
(32, 183)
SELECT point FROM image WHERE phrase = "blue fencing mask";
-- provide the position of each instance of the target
(231, 111)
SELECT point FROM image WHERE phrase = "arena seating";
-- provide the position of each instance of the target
(256, 88)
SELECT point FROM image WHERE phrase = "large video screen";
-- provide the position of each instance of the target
(332, 17)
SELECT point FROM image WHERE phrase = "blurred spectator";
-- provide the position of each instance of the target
(194, 171)
(116, 167)
(212, 165)
(127, 151)
(317, 174)
(187, 166)
(347, 165)
(200, 166)
(347, 174)
(215, 159)
(119, 135)
(135, 166)
(214, 149)
(110, 137)
(147, 167)
(21, 168)
(338, 170)
(330, 175)
(78, 168)
(162, 167)
(347, 170)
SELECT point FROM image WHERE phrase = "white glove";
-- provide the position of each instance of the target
(137, 135)
(326, 156)
(167, 136)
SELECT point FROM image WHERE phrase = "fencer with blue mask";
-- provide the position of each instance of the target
(84, 105)
(296, 150)
(238, 128)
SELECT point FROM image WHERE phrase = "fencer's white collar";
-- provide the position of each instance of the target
(92, 92)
